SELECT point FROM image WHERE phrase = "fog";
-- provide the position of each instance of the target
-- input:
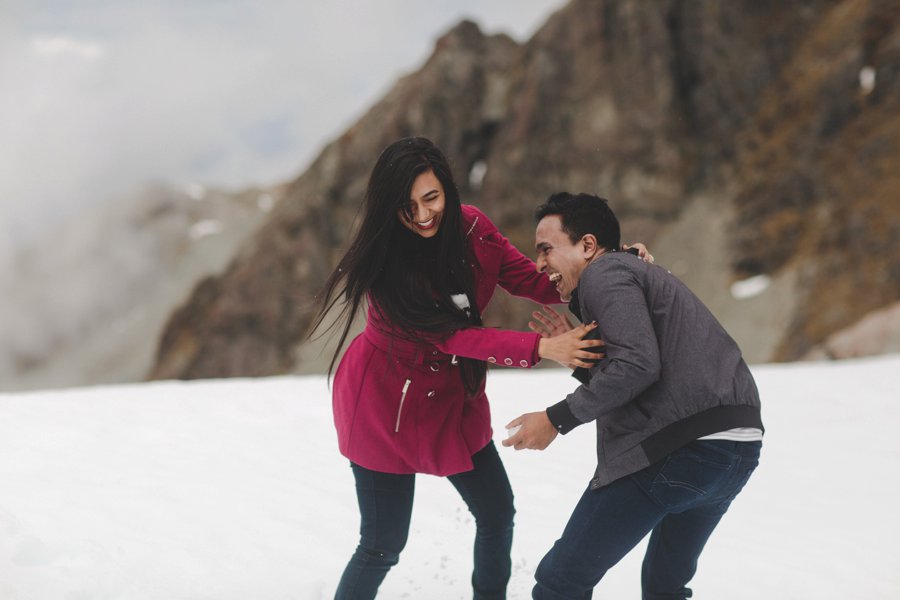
(97, 97)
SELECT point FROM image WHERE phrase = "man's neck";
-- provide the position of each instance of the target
(600, 252)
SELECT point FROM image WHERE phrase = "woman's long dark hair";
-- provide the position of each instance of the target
(410, 278)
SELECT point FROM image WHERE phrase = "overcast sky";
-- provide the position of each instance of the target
(98, 96)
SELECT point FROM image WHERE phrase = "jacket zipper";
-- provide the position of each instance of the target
(402, 399)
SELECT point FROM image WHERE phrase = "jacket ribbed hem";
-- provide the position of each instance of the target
(679, 434)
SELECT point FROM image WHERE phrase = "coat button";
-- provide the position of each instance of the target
(508, 362)
(434, 367)
(430, 394)
(523, 363)
(491, 359)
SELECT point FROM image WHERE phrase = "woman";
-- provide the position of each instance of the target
(409, 392)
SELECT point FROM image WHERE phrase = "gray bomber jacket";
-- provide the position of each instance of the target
(671, 374)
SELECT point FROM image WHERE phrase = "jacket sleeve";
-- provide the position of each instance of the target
(500, 346)
(614, 297)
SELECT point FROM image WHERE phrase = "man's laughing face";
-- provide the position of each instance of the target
(559, 257)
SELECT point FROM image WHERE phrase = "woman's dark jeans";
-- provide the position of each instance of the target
(385, 506)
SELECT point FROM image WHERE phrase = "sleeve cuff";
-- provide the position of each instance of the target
(535, 355)
(562, 418)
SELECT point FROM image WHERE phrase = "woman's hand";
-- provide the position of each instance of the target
(550, 322)
(569, 349)
(642, 251)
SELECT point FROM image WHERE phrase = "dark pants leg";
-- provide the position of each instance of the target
(385, 507)
(486, 491)
(672, 553)
(676, 543)
(605, 525)
(680, 499)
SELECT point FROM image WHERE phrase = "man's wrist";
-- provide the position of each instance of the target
(561, 417)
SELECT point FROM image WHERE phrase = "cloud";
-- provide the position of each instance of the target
(98, 97)
(59, 46)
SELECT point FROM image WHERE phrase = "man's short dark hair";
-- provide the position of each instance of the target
(582, 214)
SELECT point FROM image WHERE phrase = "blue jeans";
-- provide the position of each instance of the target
(385, 506)
(680, 500)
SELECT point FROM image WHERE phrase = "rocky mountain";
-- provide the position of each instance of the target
(876, 333)
(86, 305)
(748, 143)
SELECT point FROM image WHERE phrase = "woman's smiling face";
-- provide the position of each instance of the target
(426, 206)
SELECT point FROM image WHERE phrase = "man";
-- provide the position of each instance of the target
(677, 411)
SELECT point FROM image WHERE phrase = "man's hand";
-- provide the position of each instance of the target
(536, 432)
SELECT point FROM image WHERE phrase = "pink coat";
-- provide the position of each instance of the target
(400, 407)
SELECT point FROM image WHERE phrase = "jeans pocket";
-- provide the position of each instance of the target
(688, 476)
(747, 469)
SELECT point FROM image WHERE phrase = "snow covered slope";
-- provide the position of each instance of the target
(234, 489)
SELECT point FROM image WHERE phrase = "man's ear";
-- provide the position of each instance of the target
(589, 245)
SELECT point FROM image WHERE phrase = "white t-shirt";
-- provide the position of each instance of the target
(740, 434)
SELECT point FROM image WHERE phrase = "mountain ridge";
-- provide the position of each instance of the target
(680, 113)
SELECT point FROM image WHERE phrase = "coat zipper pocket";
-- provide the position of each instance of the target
(402, 399)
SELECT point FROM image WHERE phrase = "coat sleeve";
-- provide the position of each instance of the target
(519, 275)
(500, 346)
(614, 297)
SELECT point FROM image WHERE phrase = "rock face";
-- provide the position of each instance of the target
(737, 139)
(818, 173)
(876, 333)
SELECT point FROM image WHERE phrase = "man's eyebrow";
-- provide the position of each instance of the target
(542, 246)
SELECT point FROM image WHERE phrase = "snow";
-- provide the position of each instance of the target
(750, 287)
(205, 228)
(234, 489)
(476, 174)
(867, 79)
